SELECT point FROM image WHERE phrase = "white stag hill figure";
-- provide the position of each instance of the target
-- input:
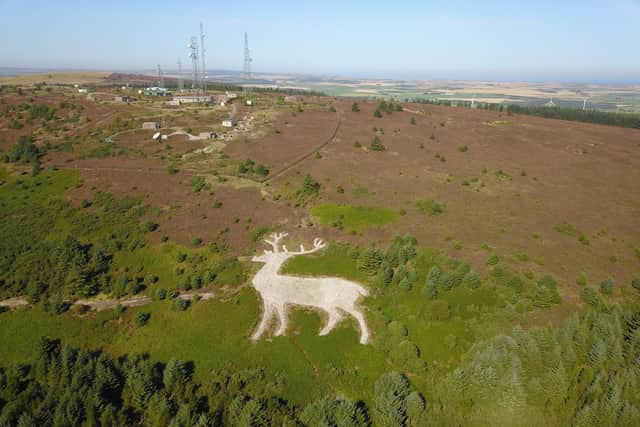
(330, 294)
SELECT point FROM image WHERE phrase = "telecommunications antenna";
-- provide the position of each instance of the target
(246, 72)
(193, 55)
(203, 81)
(160, 77)
(180, 82)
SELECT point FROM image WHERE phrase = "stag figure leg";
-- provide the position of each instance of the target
(364, 331)
(334, 318)
(266, 316)
(282, 317)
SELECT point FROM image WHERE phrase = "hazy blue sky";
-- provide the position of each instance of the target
(535, 40)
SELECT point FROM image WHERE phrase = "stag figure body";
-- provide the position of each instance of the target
(333, 295)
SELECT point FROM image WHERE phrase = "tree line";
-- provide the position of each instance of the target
(67, 386)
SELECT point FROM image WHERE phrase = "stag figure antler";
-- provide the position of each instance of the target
(274, 243)
(317, 245)
(276, 237)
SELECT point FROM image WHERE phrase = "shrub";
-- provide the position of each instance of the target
(377, 113)
(385, 275)
(310, 190)
(376, 144)
(160, 294)
(413, 120)
(570, 230)
(607, 285)
(150, 226)
(369, 261)
(516, 283)
(24, 151)
(59, 305)
(493, 260)
(472, 280)
(591, 297)
(543, 297)
(415, 404)
(261, 170)
(81, 308)
(431, 207)
(198, 183)
(179, 304)
(355, 107)
(548, 281)
(142, 318)
(196, 241)
(463, 148)
(390, 393)
(172, 170)
(582, 279)
(405, 284)
(15, 124)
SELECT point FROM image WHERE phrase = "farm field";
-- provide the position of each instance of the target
(612, 97)
(501, 254)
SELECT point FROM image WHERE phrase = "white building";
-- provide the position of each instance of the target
(208, 135)
(190, 99)
(229, 123)
(151, 125)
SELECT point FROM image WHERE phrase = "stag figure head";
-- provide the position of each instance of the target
(280, 255)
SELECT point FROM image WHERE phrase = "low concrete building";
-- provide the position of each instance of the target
(290, 98)
(124, 99)
(220, 99)
(208, 135)
(82, 91)
(229, 123)
(151, 125)
(154, 91)
(191, 99)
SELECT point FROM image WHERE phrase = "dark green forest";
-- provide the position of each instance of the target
(585, 373)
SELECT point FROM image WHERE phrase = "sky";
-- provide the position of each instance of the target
(560, 40)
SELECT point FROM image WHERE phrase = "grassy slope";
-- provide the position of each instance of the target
(213, 334)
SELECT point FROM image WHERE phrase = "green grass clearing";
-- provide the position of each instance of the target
(355, 218)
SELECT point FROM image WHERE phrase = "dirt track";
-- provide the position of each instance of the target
(108, 304)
